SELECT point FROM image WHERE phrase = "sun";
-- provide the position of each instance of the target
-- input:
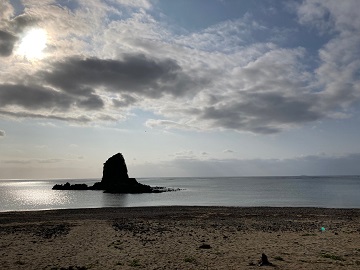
(33, 43)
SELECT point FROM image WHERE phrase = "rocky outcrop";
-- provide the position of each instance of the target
(68, 186)
(115, 180)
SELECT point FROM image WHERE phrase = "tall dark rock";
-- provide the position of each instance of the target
(114, 170)
(116, 180)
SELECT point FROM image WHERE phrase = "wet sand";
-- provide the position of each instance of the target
(181, 238)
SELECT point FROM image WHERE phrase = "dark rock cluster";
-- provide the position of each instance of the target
(115, 180)
(68, 186)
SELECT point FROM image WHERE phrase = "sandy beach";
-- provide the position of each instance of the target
(181, 238)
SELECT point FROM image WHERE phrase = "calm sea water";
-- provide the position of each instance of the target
(334, 191)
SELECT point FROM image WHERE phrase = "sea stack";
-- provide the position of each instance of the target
(114, 169)
(116, 180)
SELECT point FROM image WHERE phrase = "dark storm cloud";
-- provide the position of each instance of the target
(280, 108)
(7, 42)
(37, 97)
(92, 102)
(72, 82)
(33, 97)
(261, 113)
(134, 73)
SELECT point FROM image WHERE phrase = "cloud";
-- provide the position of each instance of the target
(6, 11)
(77, 83)
(38, 161)
(83, 119)
(11, 28)
(91, 102)
(274, 89)
(115, 5)
(228, 36)
(125, 101)
(7, 41)
(192, 88)
(258, 88)
(228, 151)
(329, 15)
(266, 95)
(139, 74)
(166, 124)
(2, 133)
(192, 166)
(261, 113)
(190, 155)
(33, 97)
(135, 3)
(185, 154)
(107, 61)
(23, 21)
(66, 28)
(338, 72)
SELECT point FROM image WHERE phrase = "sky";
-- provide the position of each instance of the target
(179, 87)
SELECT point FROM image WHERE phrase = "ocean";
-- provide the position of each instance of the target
(301, 191)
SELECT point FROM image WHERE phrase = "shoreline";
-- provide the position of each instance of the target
(106, 212)
(180, 237)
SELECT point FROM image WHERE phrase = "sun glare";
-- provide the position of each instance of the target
(32, 44)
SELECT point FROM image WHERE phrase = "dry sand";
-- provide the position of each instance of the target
(171, 237)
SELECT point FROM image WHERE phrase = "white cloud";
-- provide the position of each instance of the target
(338, 72)
(185, 154)
(2, 133)
(6, 11)
(226, 37)
(136, 3)
(166, 124)
(328, 15)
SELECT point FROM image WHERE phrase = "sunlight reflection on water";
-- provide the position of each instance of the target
(22, 183)
(41, 197)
